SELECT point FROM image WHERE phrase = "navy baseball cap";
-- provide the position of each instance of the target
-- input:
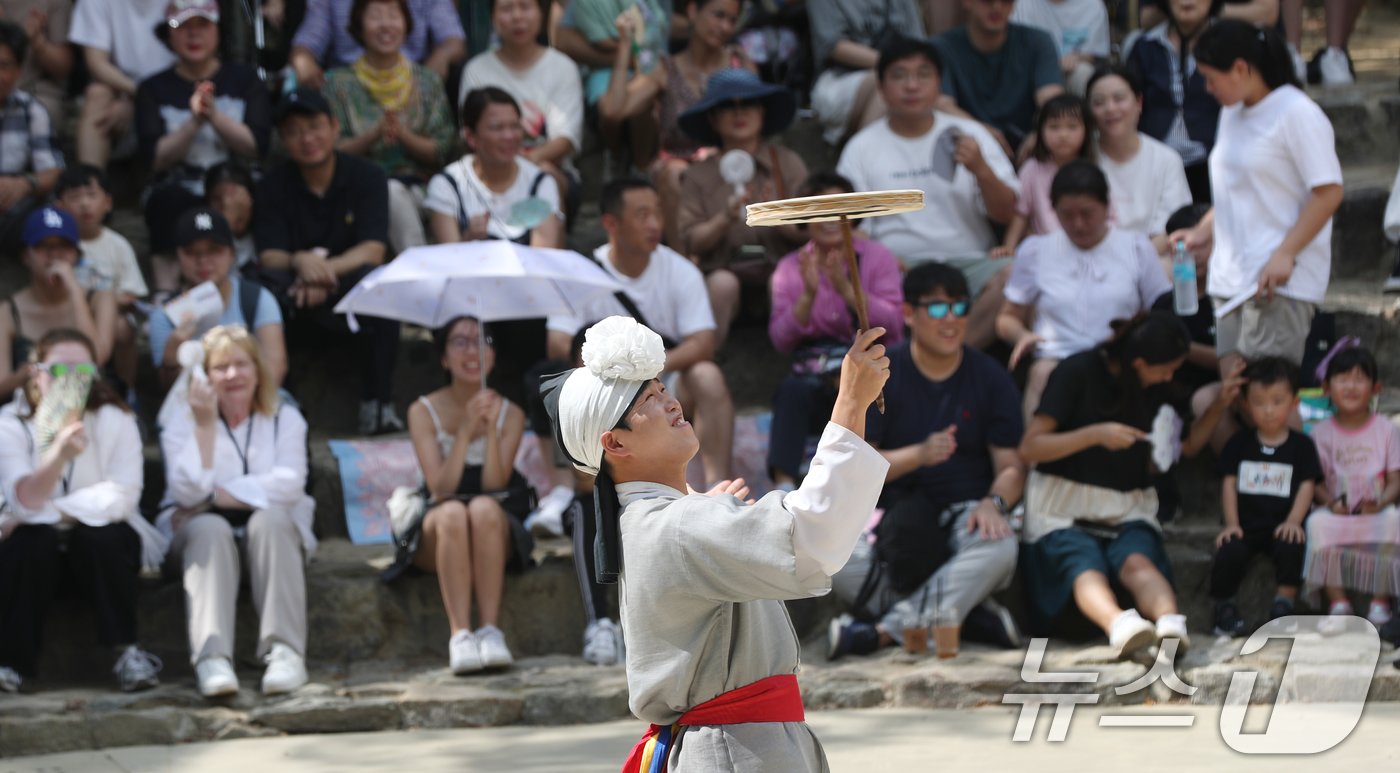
(202, 223)
(302, 102)
(50, 221)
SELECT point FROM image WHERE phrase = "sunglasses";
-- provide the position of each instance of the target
(61, 369)
(940, 309)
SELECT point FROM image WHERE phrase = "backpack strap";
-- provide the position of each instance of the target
(632, 309)
(249, 294)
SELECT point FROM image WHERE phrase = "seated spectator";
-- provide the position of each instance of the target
(71, 518)
(1268, 476)
(228, 190)
(198, 113)
(392, 112)
(544, 82)
(466, 436)
(1067, 288)
(669, 90)
(54, 299)
(204, 248)
(846, 41)
(1091, 526)
(435, 38)
(120, 49)
(1176, 107)
(737, 113)
(108, 262)
(250, 476)
(31, 162)
(811, 318)
(999, 72)
(1146, 177)
(662, 291)
(320, 226)
(1080, 30)
(949, 432)
(44, 72)
(1063, 133)
(965, 177)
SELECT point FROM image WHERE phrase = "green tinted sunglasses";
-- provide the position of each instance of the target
(61, 369)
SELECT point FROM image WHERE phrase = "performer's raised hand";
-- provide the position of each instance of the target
(863, 374)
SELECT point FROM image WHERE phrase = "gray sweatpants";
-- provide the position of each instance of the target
(209, 557)
(977, 569)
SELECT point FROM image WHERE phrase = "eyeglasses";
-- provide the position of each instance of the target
(467, 343)
(940, 309)
(61, 369)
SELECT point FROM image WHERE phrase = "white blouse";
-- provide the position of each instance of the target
(101, 486)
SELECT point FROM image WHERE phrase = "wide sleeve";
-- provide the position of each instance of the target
(117, 441)
(879, 272)
(835, 501)
(17, 460)
(187, 483)
(1152, 280)
(783, 328)
(282, 485)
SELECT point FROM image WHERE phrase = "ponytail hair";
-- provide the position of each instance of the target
(1262, 48)
(1155, 337)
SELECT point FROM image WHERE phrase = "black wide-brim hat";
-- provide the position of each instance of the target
(737, 85)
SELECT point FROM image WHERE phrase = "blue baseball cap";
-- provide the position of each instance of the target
(50, 221)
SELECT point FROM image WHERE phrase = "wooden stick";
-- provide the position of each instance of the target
(862, 312)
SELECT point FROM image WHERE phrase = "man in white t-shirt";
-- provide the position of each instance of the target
(121, 49)
(1079, 29)
(960, 167)
(667, 294)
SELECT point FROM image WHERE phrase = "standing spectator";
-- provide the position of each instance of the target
(198, 113)
(54, 299)
(1067, 288)
(544, 82)
(999, 72)
(1146, 178)
(965, 177)
(69, 519)
(1330, 66)
(435, 38)
(846, 41)
(1276, 183)
(45, 71)
(237, 459)
(1176, 108)
(670, 89)
(737, 113)
(664, 292)
(121, 50)
(29, 159)
(1080, 30)
(109, 262)
(949, 432)
(392, 112)
(1063, 133)
(1091, 529)
(811, 317)
(321, 225)
(204, 248)
(466, 436)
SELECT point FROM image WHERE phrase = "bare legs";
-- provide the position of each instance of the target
(467, 544)
(1150, 590)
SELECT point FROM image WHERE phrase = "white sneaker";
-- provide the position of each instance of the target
(10, 680)
(602, 643)
(389, 420)
(1336, 620)
(1300, 67)
(1174, 627)
(1129, 633)
(1379, 614)
(463, 654)
(286, 670)
(215, 676)
(1335, 68)
(1392, 284)
(136, 669)
(494, 653)
(548, 518)
(369, 417)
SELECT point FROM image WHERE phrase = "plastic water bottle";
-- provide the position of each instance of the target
(1184, 299)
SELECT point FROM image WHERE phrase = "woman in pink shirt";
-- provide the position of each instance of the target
(813, 317)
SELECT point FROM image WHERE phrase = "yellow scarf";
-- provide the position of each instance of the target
(390, 88)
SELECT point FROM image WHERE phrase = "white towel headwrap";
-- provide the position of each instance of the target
(619, 356)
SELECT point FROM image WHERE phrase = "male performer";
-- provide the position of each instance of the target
(711, 653)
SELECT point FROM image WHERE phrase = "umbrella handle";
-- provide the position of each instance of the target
(862, 311)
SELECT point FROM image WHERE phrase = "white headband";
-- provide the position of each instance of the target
(619, 356)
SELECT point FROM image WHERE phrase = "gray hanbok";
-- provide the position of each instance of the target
(702, 584)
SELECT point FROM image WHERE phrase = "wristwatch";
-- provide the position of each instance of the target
(999, 503)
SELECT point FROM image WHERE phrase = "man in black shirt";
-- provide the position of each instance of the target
(950, 432)
(321, 225)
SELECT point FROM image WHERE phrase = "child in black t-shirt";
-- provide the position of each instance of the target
(1269, 474)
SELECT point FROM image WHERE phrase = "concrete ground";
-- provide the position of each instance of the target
(874, 740)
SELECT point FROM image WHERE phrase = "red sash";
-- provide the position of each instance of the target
(775, 699)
